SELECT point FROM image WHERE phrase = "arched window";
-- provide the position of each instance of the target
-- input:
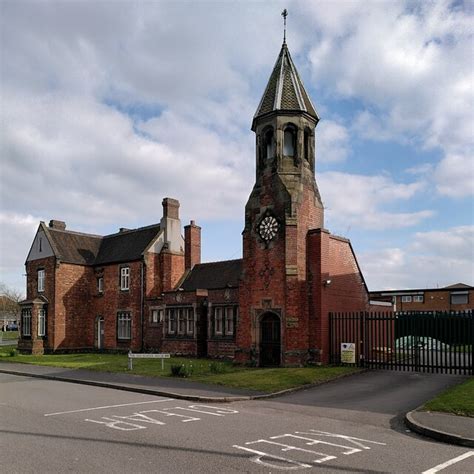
(289, 142)
(307, 144)
(268, 144)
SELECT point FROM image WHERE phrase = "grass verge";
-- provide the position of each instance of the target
(199, 370)
(8, 335)
(458, 400)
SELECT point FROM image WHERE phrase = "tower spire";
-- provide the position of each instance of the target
(284, 14)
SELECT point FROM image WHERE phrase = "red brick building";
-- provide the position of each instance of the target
(145, 289)
(457, 297)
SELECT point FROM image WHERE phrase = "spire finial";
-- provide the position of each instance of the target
(284, 14)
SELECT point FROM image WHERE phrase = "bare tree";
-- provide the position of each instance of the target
(9, 299)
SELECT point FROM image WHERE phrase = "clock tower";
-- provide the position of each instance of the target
(283, 206)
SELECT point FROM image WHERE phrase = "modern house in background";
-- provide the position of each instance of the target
(457, 297)
(146, 289)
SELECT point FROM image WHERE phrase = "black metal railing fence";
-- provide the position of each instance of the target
(434, 341)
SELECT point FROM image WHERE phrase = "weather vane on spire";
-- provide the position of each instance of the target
(284, 14)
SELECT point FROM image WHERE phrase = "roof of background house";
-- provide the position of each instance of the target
(213, 275)
(88, 249)
(456, 286)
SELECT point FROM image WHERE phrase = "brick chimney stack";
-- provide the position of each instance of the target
(192, 245)
(54, 224)
(170, 208)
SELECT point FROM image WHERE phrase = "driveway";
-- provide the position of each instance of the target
(378, 397)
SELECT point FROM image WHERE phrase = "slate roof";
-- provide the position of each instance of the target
(213, 275)
(126, 245)
(74, 247)
(285, 90)
(88, 249)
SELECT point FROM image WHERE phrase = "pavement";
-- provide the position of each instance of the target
(165, 387)
(440, 426)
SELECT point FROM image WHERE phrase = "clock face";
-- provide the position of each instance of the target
(268, 228)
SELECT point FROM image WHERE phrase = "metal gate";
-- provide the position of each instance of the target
(440, 342)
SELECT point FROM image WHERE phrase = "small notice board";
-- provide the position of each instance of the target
(132, 356)
(348, 353)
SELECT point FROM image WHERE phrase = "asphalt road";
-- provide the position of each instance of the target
(352, 425)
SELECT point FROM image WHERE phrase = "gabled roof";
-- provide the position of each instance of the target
(126, 245)
(89, 249)
(285, 90)
(213, 275)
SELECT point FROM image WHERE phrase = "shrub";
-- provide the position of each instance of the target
(182, 370)
(13, 352)
(217, 368)
(176, 370)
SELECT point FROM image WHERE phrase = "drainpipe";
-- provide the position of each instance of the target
(142, 304)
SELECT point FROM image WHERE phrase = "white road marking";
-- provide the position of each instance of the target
(351, 439)
(350, 449)
(311, 439)
(140, 417)
(167, 413)
(118, 424)
(446, 464)
(223, 411)
(286, 447)
(198, 411)
(260, 454)
(117, 421)
(109, 406)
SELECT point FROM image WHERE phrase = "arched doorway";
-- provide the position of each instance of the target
(270, 344)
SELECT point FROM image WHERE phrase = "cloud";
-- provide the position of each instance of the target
(359, 199)
(165, 53)
(107, 169)
(457, 243)
(454, 176)
(423, 169)
(17, 234)
(431, 259)
(373, 127)
(332, 142)
(407, 63)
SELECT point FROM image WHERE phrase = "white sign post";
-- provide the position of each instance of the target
(147, 356)
(348, 352)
